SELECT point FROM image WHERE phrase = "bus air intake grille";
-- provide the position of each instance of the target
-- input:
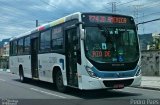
(111, 83)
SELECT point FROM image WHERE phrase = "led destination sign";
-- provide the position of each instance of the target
(109, 19)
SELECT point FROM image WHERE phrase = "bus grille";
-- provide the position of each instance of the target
(111, 83)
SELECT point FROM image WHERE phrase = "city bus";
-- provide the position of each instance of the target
(82, 50)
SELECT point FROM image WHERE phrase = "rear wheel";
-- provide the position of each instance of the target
(21, 76)
(59, 82)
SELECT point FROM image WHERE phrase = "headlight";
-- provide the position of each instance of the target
(90, 72)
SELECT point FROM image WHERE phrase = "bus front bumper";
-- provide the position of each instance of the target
(89, 83)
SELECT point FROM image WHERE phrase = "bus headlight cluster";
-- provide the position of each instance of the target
(90, 72)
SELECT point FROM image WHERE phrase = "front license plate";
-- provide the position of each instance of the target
(117, 86)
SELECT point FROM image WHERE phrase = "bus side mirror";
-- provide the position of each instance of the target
(82, 34)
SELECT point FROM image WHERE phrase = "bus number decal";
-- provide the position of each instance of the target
(52, 60)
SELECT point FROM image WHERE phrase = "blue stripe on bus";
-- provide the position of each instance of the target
(114, 74)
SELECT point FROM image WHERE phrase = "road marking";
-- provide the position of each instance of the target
(47, 93)
(2, 79)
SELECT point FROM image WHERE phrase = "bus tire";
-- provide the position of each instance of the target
(59, 82)
(21, 75)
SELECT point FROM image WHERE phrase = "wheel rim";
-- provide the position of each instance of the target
(59, 81)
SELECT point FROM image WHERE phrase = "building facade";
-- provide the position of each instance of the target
(4, 56)
(150, 62)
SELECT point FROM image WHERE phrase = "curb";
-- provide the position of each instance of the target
(147, 87)
(5, 70)
(8, 71)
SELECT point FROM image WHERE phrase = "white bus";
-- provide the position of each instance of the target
(81, 50)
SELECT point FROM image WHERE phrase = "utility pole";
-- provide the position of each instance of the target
(36, 23)
(143, 24)
(113, 4)
(136, 12)
(113, 7)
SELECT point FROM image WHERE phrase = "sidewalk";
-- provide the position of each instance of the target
(1, 69)
(7, 70)
(150, 82)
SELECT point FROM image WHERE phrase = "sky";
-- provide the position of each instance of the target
(19, 16)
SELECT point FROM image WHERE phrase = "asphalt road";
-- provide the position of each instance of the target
(42, 92)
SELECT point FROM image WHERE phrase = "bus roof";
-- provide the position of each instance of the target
(59, 21)
(50, 24)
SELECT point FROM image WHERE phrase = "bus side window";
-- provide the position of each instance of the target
(20, 46)
(27, 45)
(14, 47)
(57, 38)
(45, 38)
(11, 48)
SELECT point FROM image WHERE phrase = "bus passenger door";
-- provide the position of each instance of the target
(34, 57)
(71, 57)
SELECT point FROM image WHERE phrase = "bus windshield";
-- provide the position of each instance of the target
(111, 44)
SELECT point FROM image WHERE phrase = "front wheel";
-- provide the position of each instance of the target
(59, 82)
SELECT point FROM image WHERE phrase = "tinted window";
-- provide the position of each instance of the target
(45, 40)
(57, 38)
(10, 49)
(14, 47)
(111, 44)
(27, 44)
(20, 46)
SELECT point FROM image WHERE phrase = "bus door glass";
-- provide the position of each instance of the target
(34, 57)
(71, 56)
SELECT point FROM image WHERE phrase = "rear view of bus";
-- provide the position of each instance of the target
(111, 51)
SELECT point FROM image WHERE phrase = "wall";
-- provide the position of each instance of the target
(151, 63)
